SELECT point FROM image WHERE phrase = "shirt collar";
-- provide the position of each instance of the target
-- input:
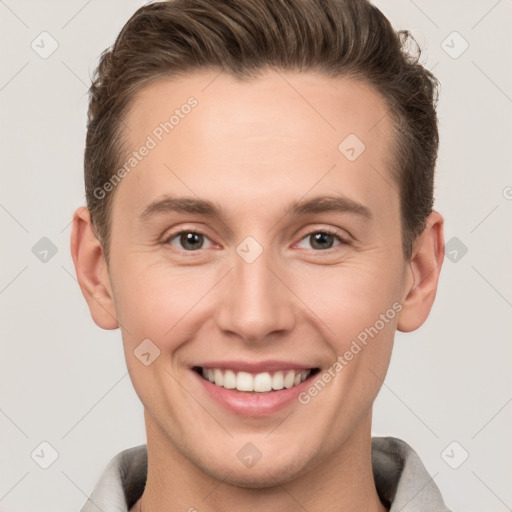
(400, 477)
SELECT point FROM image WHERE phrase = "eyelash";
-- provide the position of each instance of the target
(326, 231)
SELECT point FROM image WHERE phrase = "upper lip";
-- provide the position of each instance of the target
(255, 367)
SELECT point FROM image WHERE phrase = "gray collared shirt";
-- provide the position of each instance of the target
(402, 482)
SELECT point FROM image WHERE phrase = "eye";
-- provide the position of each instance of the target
(322, 240)
(188, 240)
(192, 241)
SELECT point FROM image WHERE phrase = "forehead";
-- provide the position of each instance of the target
(280, 135)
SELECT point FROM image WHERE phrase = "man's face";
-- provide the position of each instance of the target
(260, 288)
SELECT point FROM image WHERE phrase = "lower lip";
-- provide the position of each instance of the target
(252, 404)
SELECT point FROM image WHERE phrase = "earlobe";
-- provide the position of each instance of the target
(423, 271)
(91, 270)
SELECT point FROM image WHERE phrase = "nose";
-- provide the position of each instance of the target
(255, 303)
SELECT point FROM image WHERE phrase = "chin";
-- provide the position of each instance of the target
(262, 475)
(260, 480)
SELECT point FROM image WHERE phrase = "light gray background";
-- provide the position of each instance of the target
(64, 380)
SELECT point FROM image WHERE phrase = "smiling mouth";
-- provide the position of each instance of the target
(263, 382)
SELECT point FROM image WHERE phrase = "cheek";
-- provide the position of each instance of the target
(157, 302)
(156, 309)
(358, 320)
(356, 307)
(352, 297)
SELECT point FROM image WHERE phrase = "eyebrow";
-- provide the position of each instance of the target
(320, 204)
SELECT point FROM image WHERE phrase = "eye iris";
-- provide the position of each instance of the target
(188, 240)
(322, 238)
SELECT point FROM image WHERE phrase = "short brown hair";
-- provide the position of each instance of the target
(242, 37)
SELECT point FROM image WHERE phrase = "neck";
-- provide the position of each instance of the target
(341, 481)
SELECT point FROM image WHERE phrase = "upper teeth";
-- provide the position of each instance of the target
(261, 382)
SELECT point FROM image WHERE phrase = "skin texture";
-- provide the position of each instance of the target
(253, 148)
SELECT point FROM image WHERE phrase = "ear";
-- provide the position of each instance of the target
(422, 275)
(91, 270)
